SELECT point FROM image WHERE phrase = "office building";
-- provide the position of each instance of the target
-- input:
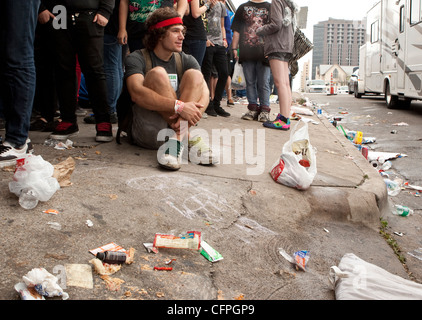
(337, 41)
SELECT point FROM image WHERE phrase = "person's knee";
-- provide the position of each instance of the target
(156, 78)
(193, 76)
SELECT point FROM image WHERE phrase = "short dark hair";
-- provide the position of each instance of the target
(152, 36)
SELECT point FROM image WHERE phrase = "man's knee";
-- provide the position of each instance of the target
(157, 76)
(193, 76)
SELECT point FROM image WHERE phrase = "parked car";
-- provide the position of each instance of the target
(315, 86)
(352, 80)
(343, 89)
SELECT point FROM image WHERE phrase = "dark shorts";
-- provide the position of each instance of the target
(282, 56)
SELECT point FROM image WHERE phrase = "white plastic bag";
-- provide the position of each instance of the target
(35, 174)
(296, 166)
(44, 283)
(356, 279)
(238, 79)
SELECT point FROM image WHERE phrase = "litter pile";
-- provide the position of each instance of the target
(381, 161)
(39, 284)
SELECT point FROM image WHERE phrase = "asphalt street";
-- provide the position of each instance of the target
(394, 131)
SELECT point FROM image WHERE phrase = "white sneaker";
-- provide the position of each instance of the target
(200, 152)
(264, 116)
(171, 158)
(250, 115)
(9, 154)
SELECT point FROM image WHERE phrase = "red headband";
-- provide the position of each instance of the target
(167, 22)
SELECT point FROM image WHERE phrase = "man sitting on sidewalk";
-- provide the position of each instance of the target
(161, 99)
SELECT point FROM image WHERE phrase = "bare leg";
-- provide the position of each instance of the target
(229, 89)
(191, 88)
(280, 70)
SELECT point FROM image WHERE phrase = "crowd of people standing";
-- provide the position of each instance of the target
(61, 46)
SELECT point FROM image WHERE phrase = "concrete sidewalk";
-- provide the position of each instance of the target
(246, 217)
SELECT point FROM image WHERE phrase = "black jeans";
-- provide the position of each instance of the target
(84, 39)
(45, 100)
(216, 55)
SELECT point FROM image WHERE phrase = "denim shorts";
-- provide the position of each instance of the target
(282, 56)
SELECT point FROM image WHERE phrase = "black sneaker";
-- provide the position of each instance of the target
(210, 110)
(91, 118)
(104, 132)
(221, 112)
(64, 130)
(38, 124)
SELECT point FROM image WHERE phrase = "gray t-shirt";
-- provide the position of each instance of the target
(135, 63)
(147, 125)
(214, 16)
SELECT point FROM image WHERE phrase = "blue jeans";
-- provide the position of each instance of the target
(195, 48)
(18, 20)
(257, 77)
(113, 69)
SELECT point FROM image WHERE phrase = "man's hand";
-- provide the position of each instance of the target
(101, 20)
(190, 113)
(45, 16)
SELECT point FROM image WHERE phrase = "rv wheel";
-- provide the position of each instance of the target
(392, 101)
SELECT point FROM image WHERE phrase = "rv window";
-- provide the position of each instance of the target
(415, 11)
(375, 31)
(402, 19)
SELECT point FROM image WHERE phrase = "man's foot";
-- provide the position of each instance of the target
(264, 116)
(221, 112)
(9, 154)
(280, 123)
(250, 115)
(104, 132)
(230, 102)
(64, 130)
(91, 118)
(210, 110)
(200, 152)
(171, 159)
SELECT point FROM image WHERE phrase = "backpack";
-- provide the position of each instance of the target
(124, 103)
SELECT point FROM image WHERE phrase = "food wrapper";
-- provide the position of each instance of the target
(301, 259)
(189, 240)
(210, 253)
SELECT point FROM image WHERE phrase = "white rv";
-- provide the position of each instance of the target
(391, 59)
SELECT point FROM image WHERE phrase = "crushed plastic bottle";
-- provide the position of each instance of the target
(393, 188)
(403, 211)
(28, 199)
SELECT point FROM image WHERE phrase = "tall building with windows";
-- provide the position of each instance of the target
(304, 75)
(337, 41)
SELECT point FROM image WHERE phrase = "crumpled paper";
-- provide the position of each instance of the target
(63, 171)
(43, 282)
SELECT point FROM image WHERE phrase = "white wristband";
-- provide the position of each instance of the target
(178, 106)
